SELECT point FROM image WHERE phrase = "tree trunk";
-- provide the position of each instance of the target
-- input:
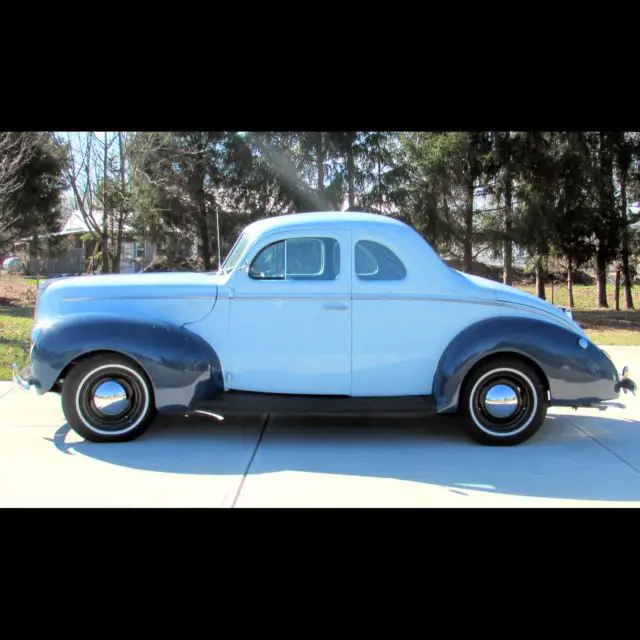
(320, 162)
(601, 276)
(540, 279)
(379, 182)
(617, 289)
(626, 268)
(507, 277)
(204, 237)
(467, 260)
(119, 241)
(105, 216)
(605, 187)
(104, 243)
(351, 189)
(203, 223)
(570, 283)
(626, 271)
(123, 206)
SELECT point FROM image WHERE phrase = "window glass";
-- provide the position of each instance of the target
(236, 253)
(374, 261)
(269, 263)
(298, 258)
(305, 257)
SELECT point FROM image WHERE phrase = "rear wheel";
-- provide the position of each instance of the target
(108, 398)
(503, 402)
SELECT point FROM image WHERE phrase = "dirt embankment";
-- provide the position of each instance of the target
(15, 291)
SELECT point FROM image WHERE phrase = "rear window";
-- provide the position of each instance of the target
(374, 261)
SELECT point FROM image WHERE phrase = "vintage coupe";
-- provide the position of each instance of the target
(327, 312)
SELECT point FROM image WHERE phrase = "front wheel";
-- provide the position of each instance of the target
(108, 398)
(503, 402)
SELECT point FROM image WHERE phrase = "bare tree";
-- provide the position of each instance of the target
(100, 175)
(85, 166)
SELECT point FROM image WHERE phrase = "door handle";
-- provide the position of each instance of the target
(335, 306)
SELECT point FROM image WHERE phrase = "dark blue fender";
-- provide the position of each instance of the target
(576, 376)
(183, 368)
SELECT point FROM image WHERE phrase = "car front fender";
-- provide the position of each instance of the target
(181, 366)
(574, 375)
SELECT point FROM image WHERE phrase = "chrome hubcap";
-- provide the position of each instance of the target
(110, 398)
(501, 401)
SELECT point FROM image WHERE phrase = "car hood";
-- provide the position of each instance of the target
(178, 284)
(510, 295)
(177, 297)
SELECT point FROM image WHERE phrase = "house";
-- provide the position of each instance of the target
(75, 248)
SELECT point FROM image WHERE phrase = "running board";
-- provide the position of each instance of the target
(238, 401)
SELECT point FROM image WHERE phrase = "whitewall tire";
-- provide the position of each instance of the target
(503, 402)
(108, 398)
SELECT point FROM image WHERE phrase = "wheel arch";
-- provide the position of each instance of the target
(552, 351)
(180, 365)
(512, 355)
(85, 355)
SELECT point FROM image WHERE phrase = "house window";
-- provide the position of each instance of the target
(298, 259)
(374, 261)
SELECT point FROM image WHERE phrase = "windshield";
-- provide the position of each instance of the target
(235, 254)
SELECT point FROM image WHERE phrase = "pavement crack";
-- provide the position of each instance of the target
(604, 446)
(231, 500)
(6, 392)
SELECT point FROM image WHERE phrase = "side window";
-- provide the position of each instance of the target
(298, 259)
(374, 261)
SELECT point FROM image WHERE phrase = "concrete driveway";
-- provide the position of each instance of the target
(585, 458)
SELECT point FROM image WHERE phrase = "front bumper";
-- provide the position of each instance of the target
(22, 377)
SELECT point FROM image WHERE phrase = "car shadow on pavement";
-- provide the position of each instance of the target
(563, 461)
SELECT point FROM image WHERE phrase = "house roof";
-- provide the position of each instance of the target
(76, 223)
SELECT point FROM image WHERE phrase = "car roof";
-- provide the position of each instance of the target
(322, 219)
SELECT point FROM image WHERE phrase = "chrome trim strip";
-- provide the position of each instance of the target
(290, 298)
(416, 297)
(356, 297)
(137, 297)
(564, 320)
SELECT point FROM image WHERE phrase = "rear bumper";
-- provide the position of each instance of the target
(625, 383)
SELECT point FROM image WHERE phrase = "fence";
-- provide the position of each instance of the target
(585, 297)
(71, 261)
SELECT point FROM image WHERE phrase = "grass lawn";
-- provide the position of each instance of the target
(585, 297)
(15, 331)
(603, 326)
(16, 318)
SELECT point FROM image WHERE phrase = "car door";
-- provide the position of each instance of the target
(393, 353)
(290, 316)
